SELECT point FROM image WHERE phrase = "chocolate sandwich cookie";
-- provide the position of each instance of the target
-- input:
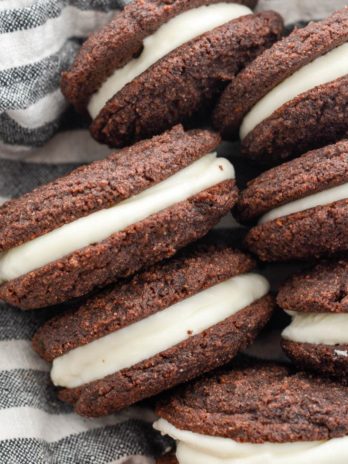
(301, 207)
(167, 325)
(160, 63)
(302, 103)
(317, 300)
(258, 413)
(110, 218)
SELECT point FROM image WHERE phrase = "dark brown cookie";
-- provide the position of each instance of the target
(121, 305)
(120, 41)
(99, 186)
(295, 235)
(324, 359)
(170, 459)
(260, 403)
(195, 73)
(323, 289)
(323, 107)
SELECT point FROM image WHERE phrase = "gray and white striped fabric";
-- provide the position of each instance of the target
(41, 139)
(38, 40)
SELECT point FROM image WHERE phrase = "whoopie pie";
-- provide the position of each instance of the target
(160, 63)
(294, 96)
(167, 325)
(109, 219)
(317, 301)
(301, 207)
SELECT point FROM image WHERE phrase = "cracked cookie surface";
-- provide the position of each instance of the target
(260, 403)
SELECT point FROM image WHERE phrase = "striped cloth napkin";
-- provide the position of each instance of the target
(41, 138)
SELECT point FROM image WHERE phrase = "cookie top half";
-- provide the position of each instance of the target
(267, 413)
(258, 404)
(298, 74)
(100, 184)
(323, 289)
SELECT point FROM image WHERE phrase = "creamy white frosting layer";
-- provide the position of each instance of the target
(193, 448)
(158, 332)
(96, 227)
(326, 329)
(311, 201)
(322, 70)
(171, 35)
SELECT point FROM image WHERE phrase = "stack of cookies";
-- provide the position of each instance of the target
(290, 108)
(153, 303)
(151, 308)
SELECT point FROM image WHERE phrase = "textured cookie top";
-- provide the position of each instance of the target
(119, 42)
(101, 184)
(322, 289)
(260, 403)
(275, 65)
(313, 172)
(161, 286)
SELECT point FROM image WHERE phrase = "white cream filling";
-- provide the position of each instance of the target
(171, 35)
(327, 329)
(96, 227)
(342, 353)
(322, 70)
(193, 448)
(158, 332)
(325, 197)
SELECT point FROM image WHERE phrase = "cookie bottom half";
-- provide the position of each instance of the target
(296, 236)
(324, 359)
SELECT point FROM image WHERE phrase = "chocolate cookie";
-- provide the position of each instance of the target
(258, 411)
(303, 100)
(302, 207)
(169, 459)
(167, 325)
(317, 301)
(158, 63)
(107, 220)
(323, 289)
